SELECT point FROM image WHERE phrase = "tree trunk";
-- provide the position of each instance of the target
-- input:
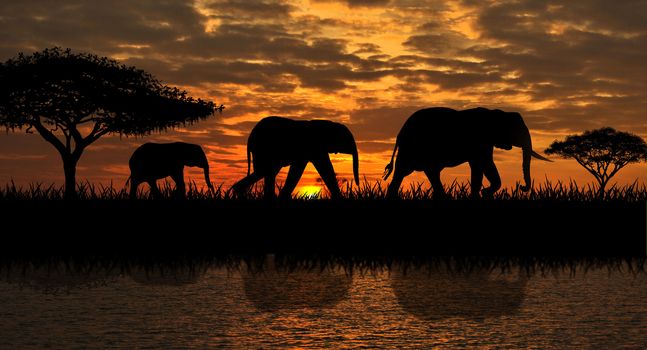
(603, 185)
(69, 167)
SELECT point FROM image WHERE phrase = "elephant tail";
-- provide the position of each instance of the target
(389, 167)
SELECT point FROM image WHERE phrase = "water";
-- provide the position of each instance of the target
(311, 308)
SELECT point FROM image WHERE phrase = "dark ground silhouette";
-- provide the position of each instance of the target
(359, 227)
(276, 142)
(435, 138)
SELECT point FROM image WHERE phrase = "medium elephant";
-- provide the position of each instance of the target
(276, 142)
(153, 161)
(436, 138)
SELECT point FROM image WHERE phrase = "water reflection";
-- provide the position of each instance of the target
(437, 293)
(274, 286)
(287, 304)
(166, 277)
(59, 277)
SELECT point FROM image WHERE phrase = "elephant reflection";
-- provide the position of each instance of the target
(436, 138)
(276, 142)
(440, 293)
(153, 161)
(274, 288)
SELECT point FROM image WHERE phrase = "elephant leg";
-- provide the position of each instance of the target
(241, 187)
(492, 175)
(296, 170)
(270, 184)
(155, 192)
(134, 184)
(434, 177)
(180, 187)
(400, 172)
(477, 179)
(327, 173)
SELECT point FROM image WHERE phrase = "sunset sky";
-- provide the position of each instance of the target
(565, 66)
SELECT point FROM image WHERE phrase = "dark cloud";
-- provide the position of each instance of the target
(623, 113)
(431, 43)
(367, 3)
(273, 76)
(436, 38)
(368, 48)
(378, 124)
(99, 26)
(623, 16)
(447, 80)
(250, 9)
(574, 57)
(360, 3)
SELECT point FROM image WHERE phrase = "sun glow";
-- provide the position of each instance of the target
(309, 192)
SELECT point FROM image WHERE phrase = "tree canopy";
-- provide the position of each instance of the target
(602, 152)
(59, 92)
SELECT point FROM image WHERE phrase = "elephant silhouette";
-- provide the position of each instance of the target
(276, 142)
(435, 138)
(153, 161)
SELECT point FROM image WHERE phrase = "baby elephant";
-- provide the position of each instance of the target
(153, 161)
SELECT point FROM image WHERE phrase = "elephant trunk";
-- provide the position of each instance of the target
(206, 178)
(356, 166)
(526, 168)
(526, 146)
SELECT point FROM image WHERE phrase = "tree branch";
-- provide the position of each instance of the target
(95, 134)
(590, 170)
(78, 138)
(49, 136)
(616, 168)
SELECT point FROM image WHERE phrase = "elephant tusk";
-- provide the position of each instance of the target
(539, 156)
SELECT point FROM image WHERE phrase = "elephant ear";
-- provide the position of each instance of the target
(315, 135)
(506, 130)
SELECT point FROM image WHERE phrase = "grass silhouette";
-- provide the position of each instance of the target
(555, 219)
(546, 191)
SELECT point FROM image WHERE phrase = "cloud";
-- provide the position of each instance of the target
(549, 45)
(566, 67)
(96, 25)
(360, 3)
(378, 124)
(250, 10)
(369, 48)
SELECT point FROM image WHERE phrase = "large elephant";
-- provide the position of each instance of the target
(436, 138)
(276, 142)
(153, 161)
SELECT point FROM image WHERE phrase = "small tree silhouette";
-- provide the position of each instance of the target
(602, 152)
(61, 94)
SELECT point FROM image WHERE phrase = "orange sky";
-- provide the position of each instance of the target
(369, 64)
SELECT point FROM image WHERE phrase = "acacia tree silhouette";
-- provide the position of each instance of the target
(61, 93)
(602, 152)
